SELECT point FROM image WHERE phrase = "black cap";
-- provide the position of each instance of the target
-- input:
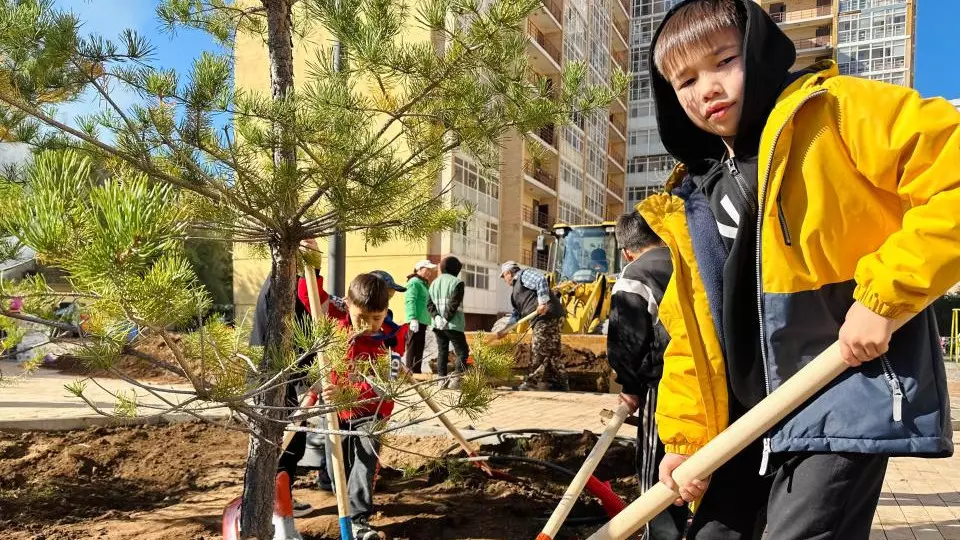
(389, 279)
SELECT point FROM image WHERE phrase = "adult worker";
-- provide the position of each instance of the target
(636, 341)
(449, 322)
(415, 301)
(530, 293)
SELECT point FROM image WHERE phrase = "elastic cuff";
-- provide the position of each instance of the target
(685, 449)
(872, 302)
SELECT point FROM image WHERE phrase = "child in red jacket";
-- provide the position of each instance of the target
(367, 300)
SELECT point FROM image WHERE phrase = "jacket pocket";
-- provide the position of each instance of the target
(896, 388)
(784, 230)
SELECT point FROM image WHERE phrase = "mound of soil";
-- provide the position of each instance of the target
(173, 481)
(587, 372)
(132, 366)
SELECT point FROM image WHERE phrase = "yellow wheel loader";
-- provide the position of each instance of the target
(584, 263)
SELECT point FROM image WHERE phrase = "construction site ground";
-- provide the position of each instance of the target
(173, 481)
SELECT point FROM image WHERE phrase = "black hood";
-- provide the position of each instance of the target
(767, 57)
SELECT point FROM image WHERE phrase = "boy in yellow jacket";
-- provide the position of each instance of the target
(808, 206)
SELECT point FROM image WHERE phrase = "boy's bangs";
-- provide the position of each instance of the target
(691, 33)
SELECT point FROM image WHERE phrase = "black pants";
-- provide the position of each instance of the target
(414, 349)
(297, 446)
(361, 462)
(459, 341)
(672, 522)
(807, 497)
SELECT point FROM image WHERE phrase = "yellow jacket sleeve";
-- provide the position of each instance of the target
(681, 414)
(908, 147)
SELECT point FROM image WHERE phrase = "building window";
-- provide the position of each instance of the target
(635, 194)
(642, 108)
(595, 198)
(476, 277)
(574, 138)
(574, 35)
(643, 140)
(888, 55)
(640, 87)
(476, 186)
(870, 25)
(571, 176)
(569, 214)
(660, 163)
(596, 161)
(639, 59)
(477, 238)
(859, 5)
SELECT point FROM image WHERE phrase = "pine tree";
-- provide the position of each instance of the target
(356, 146)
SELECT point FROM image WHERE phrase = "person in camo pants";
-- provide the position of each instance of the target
(531, 293)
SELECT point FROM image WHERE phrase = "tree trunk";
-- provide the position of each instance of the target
(264, 452)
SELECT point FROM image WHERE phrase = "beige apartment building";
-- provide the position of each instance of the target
(572, 174)
(867, 38)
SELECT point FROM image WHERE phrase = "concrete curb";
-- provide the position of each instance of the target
(85, 422)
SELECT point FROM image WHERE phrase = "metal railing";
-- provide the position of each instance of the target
(621, 59)
(813, 43)
(547, 134)
(802, 14)
(536, 217)
(617, 157)
(555, 7)
(615, 185)
(623, 29)
(540, 175)
(534, 259)
(541, 40)
(621, 125)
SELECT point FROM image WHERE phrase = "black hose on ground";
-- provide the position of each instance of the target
(531, 431)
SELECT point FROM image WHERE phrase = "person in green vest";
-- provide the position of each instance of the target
(446, 307)
(415, 301)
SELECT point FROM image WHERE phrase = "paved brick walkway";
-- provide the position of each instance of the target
(921, 499)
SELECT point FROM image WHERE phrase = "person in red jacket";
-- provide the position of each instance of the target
(367, 299)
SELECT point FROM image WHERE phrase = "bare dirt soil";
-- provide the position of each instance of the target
(173, 481)
(131, 366)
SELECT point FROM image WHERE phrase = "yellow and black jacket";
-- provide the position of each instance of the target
(859, 199)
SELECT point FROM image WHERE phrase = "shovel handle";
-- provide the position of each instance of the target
(757, 421)
(333, 421)
(526, 319)
(570, 497)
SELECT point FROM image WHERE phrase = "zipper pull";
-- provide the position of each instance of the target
(765, 459)
(897, 403)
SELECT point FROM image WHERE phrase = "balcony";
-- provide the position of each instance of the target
(549, 16)
(621, 36)
(535, 217)
(615, 184)
(540, 175)
(547, 135)
(619, 127)
(620, 59)
(544, 56)
(621, 11)
(534, 259)
(616, 157)
(802, 17)
(817, 45)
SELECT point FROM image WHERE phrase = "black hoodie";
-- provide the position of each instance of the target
(767, 56)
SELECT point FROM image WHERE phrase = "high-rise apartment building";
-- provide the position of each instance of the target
(572, 174)
(867, 38)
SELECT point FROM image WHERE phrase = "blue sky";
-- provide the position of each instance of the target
(938, 48)
(937, 60)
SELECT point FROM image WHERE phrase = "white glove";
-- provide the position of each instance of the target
(439, 323)
(414, 326)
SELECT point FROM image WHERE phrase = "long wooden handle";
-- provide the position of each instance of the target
(526, 319)
(757, 421)
(333, 420)
(570, 497)
(435, 407)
